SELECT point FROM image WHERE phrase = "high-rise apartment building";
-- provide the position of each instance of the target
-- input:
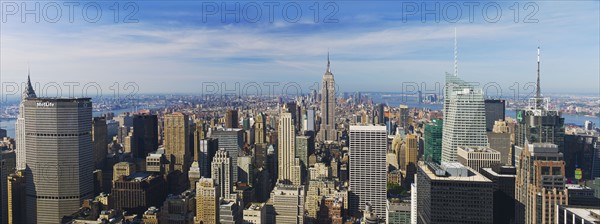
(327, 131)
(59, 156)
(367, 152)
(464, 117)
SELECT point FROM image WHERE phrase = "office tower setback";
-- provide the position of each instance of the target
(28, 93)
(464, 117)
(7, 167)
(453, 193)
(207, 201)
(538, 123)
(59, 156)
(288, 202)
(99, 137)
(368, 146)
(289, 165)
(494, 110)
(222, 173)
(478, 157)
(540, 184)
(433, 141)
(232, 140)
(177, 141)
(327, 130)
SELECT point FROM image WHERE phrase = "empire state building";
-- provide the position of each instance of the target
(327, 130)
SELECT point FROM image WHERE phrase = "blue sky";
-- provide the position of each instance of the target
(179, 46)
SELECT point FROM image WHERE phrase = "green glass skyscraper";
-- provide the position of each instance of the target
(433, 141)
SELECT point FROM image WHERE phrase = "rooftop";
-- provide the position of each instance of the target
(471, 174)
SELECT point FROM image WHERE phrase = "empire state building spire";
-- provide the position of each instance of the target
(328, 63)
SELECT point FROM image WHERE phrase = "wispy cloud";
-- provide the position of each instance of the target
(177, 58)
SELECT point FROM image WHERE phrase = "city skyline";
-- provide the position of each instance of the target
(172, 50)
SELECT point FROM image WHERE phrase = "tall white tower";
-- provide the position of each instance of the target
(368, 146)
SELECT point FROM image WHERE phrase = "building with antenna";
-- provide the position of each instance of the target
(538, 122)
(327, 131)
(464, 115)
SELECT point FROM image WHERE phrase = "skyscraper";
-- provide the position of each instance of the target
(207, 201)
(410, 156)
(540, 183)
(20, 126)
(145, 135)
(221, 173)
(177, 141)
(231, 119)
(232, 140)
(494, 110)
(537, 122)
(433, 141)
(260, 130)
(368, 146)
(327, 131)
(59, 157)
(289, 165)
(99, 140)
(464, 117)
(453, 193)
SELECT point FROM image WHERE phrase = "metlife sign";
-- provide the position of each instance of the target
(44, 104)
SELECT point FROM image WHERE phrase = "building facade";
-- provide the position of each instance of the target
(367, 152)
(464, 117)
(327, 130)
(59, 156)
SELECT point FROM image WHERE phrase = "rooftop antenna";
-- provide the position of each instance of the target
(455, 54)
(537, 87)
(328, 63)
